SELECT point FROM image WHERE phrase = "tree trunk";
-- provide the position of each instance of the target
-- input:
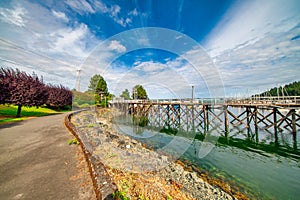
(19, 111)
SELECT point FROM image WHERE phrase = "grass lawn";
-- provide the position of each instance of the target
(8, 113)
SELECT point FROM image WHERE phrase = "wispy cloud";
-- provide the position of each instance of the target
(116, 46)
(253, 48)
(80, 6)
(249, 21)
(36, 41)
(113, 11)
(60, 15)
(134, 12)
(70, 40)
(13, 16)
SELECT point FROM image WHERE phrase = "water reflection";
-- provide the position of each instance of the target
(259, 140)
(259, 161)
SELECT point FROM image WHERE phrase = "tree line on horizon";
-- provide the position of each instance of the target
(21, 89)
(99, 86)
(291, 89)
(98, 94)
(138, 92)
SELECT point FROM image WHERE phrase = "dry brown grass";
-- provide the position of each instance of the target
(147, 186)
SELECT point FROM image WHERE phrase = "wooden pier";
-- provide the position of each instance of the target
(272, 114)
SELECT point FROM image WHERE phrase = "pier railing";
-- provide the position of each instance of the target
(266, 113)
(285, 101)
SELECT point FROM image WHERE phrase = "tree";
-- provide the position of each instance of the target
(125, 94)
(98, 85)
(21, 89)
(6, 78)
(292, 89)
(58, 96)
(138, 92)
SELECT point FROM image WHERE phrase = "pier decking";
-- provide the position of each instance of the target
(277, 113)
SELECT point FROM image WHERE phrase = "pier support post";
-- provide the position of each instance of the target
(193, 119)
(294, 121)
(247, 113)
(204, 116)
(226, 120)
(255, 120)
(207, 117)
(275, 124)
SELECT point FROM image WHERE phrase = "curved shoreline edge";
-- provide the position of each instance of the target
(98, 173)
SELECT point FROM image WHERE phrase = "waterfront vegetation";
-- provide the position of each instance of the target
(292, 89)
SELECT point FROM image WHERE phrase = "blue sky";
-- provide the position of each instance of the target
(223, 48)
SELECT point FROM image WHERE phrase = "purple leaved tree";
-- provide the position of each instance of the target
(22, 89)
(59, 96)
(6, 77)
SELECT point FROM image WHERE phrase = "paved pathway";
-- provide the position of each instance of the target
(36, 162)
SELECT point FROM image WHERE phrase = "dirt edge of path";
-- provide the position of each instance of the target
(96, 169)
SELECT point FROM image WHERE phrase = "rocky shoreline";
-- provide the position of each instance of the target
(138, 172)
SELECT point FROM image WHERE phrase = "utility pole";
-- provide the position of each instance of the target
(277, 91)
(78, 79)
(192, 93)
(282, 91)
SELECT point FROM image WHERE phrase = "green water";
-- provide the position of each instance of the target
(261, 166)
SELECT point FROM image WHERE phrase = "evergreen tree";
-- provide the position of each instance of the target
(138, 92)
(125, 94)
(98, 85)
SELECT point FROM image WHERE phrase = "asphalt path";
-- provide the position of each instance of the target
(36, 161)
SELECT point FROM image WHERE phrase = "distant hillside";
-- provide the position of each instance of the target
(292, 89)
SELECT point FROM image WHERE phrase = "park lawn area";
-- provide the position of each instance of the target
(8, 113)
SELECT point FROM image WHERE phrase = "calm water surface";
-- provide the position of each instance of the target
(260, 165)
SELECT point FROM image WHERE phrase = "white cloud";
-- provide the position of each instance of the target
(80, 6)
(249, 21)
(116, 46)
(60, 15)
(100, 6)
(83, 7)
(13, 16)
(150, 66)
(44, 44)
(253, 48)
(70, 40)
(272, 60)
(133, 12)
(113, 12)
(159, 80)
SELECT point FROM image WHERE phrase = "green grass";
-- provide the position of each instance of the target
(8, 113)
(7, 120)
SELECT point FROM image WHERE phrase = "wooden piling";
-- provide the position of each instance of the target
(226, 120)
(255, 119)
(294, 121)
(196, 116)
